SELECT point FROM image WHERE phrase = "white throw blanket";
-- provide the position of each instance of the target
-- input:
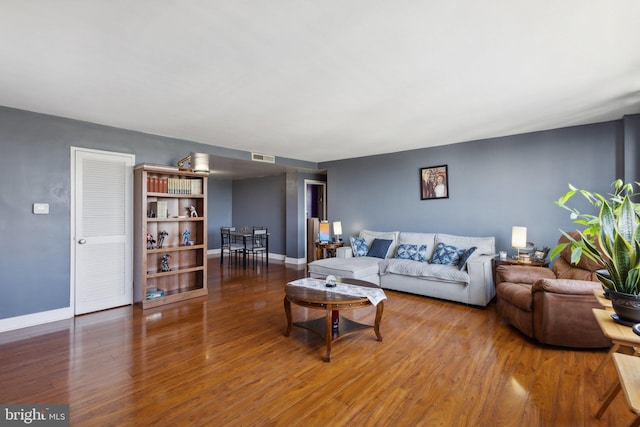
(374, 295)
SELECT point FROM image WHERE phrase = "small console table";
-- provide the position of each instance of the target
(329, 248)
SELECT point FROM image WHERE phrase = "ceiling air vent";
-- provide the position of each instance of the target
(267, 158)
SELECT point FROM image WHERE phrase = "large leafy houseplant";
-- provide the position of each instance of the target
(611, 238)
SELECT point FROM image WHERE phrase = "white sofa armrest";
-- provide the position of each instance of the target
(481, 286)
(344, 252)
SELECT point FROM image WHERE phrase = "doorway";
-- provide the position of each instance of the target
(315, 196)
(101, 230)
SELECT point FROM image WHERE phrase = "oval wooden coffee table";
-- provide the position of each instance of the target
(332, 326)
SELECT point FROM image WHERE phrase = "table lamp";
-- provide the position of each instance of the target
(198, 162)
(337, 230)
(519, 238)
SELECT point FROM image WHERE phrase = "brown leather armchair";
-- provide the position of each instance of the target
(552, 306)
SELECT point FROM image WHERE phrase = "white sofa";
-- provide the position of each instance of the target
(473, 284)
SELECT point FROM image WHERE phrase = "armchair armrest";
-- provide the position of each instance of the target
(344, 252)
(522, 274)
(565, 286)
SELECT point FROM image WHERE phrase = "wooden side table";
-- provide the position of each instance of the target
(329, 248)
(604, 302)
(622, 337)
(628, 368)
(510, 261)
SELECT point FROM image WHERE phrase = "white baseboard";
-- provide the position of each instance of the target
(19, 322)
(296, 261)
(279, 257)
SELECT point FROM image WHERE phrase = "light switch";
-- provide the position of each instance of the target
(41, 208)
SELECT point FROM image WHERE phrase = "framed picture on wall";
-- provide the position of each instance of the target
(434, 183)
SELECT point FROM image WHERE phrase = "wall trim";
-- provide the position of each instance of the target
(19, 322)
(296, 261)
(216, 252)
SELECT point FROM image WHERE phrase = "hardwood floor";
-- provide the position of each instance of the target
(223, 360)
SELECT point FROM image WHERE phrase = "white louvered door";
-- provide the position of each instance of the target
(103, 230)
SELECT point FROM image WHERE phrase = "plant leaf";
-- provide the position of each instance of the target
(627, 224)
(557, 249)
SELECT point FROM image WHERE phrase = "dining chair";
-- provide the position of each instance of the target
(230, 244)
(258, 244)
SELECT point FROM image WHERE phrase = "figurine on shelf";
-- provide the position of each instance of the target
(185, 237)
(151, 242)
(161, 237)
(192, 211)
(165, 262)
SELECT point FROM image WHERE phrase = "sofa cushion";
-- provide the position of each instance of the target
(412, 252)
(485, 245)
(379, 248)
(406, 267)
(369, 236)
(518, 295)
(354, 268)
(585, 263)
(414, 238)
(359, 246)
(446, 254)
(462, 262)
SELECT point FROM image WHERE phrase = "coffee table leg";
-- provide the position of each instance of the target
(287, 311)
(376, 328)
(329, 330)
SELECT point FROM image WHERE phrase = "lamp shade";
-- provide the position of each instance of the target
(200, 162)
(337, 228)
(519, 237)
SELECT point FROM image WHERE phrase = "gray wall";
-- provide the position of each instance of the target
(219, 208)
(631, 144)
(261, 202)
(35, 167)
(494, 184)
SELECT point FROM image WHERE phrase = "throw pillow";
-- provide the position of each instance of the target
(359, 246)
(446, 254)
(465, 257)
(379, 248)
(413, 252)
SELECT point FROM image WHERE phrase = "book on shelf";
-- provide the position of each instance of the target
(160, 208)
(184, 186)
(157, 185)
(196, 186)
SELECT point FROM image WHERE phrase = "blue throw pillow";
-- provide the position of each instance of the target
(413, 252)
(446, 254)
(465, 257)
(379, 248)
(359, 246)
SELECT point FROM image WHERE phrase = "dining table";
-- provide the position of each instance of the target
(246, 236)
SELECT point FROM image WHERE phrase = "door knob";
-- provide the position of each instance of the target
(82, 241)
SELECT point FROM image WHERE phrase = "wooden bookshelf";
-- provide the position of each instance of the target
(184, 275)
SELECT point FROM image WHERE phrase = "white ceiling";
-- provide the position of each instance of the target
(323, 80)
